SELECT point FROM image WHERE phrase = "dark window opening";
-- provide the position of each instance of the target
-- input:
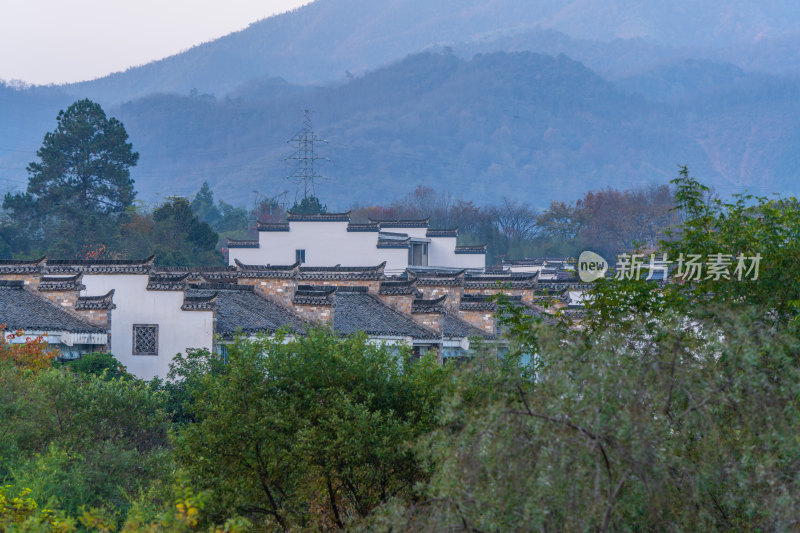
(418, 254)
(300, 255)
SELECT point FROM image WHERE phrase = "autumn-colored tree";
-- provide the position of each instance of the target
(34, 354)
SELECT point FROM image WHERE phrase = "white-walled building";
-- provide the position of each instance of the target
(149, 327)
(148, 319)
(145, 314)
(331, 239)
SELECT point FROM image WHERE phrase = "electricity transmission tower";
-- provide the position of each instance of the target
(305, 157)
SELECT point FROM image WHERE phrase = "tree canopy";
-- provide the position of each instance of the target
(80, 184)
(84, 164)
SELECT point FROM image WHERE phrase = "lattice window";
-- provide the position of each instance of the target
(145, 339)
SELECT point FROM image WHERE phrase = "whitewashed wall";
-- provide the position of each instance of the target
(469, 261)
(177, 330)
(325, 243)
(329, 243)
(442, 252)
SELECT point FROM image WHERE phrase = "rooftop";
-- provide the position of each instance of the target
(237, 243)
(475, 249)
(454, 327)
(372, 226)
(358, 310)
(402, 223)
(453, 232)
(319, 217)
(99, 266)
(241, 310)
(61, 283)
(24, 309)
(272, 226)
(339, 272)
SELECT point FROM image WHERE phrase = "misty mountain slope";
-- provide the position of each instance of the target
(521, 125)
(614, 59)
(688, 80)
(677, 23)
(25, 116)
(322, 41)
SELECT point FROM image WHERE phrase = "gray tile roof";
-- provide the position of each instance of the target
(477, 302)
(398, 287)
(199, 302)
(241, 243)
(167, 281)
(477, 249)
(412, 223)
(273, 226)
(219, 276)
(355, 310)
(241, 310)
(176, 278)
(420, 305)
(393, 243)
(453, 232)
(13, 266)
(61, 283)
(372, 226)
(320, 217)
(536, 261)
(24, 309)
(313, 295)
(493, 281)
(105, 301)
(267, 271)
(99, 266)
(441, 279)
(339, 272)
(454, 327)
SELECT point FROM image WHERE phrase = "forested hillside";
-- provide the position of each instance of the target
(520, 125)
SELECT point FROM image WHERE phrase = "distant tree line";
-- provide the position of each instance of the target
(607, 221)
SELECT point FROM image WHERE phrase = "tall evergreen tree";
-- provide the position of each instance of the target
(81, 180)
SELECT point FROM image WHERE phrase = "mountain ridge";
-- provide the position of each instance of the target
(326, 40)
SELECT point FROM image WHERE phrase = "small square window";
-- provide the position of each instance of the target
(145, 339)
(300, 255)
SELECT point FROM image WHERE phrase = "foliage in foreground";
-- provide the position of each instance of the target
(747, 226)
(684, 425)
(307, 433)
(34, 354)
(78, 441)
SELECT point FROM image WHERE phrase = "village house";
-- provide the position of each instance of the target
(331, 238)
(145, 314)
(32, 305)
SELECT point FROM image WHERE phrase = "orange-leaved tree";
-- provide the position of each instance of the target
(34, 354)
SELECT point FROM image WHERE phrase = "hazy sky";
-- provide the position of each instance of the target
(56, 41)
